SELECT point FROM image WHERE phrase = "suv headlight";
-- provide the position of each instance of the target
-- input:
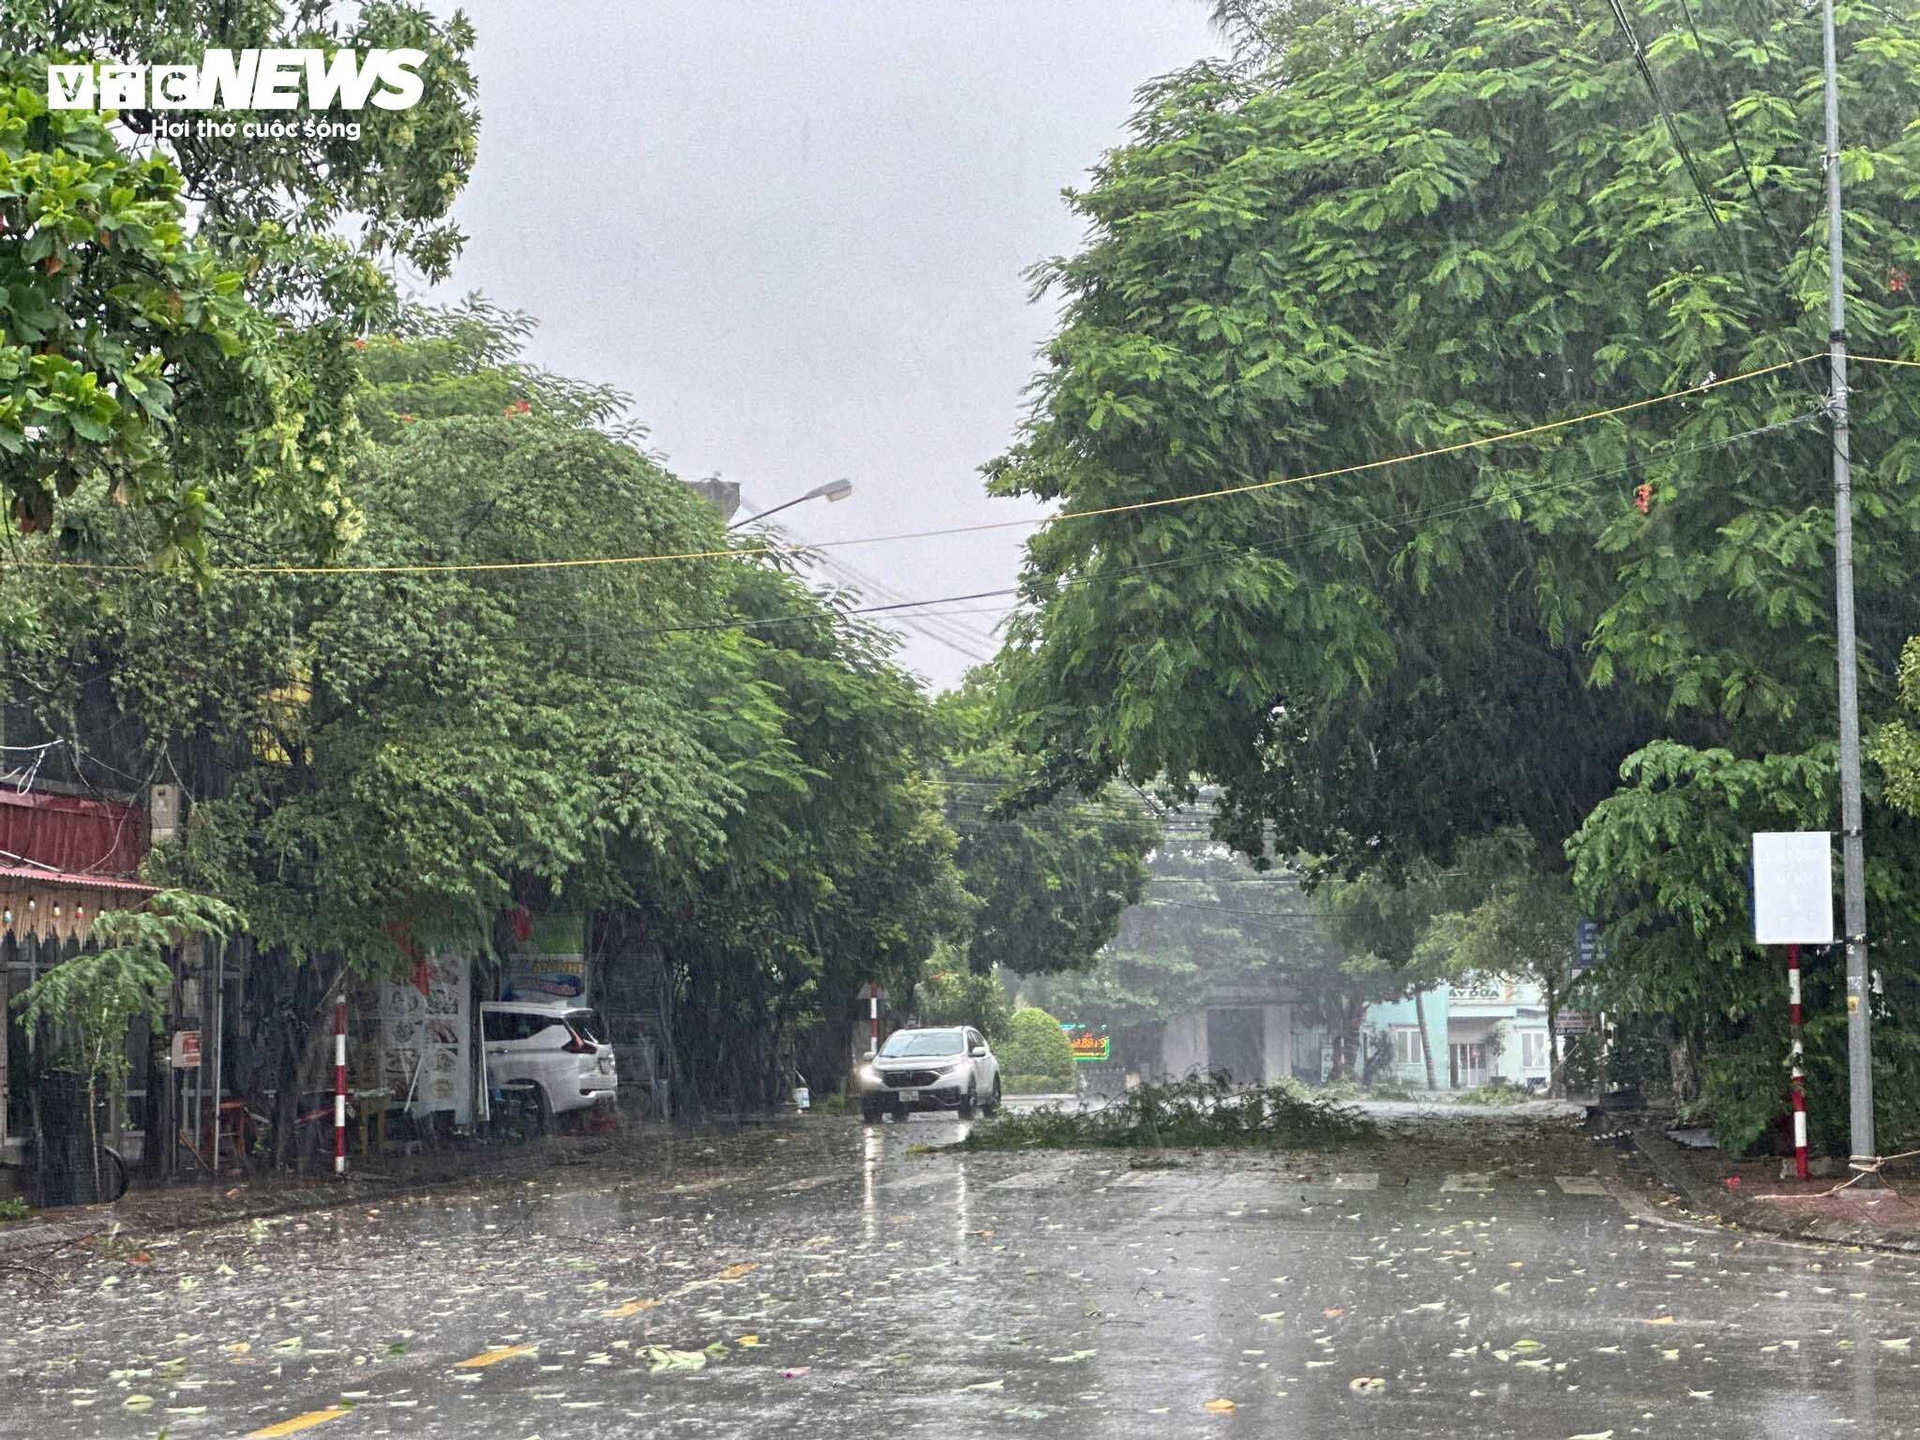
(868, 1076)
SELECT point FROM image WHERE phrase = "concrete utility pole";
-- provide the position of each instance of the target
(1852, 851)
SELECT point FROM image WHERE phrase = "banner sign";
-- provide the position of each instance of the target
(550, 963)
(543, 977)
(1088, 1045)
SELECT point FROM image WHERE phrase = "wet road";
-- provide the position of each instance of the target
(860, 1288)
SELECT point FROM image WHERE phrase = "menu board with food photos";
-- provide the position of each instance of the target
(426, 1027)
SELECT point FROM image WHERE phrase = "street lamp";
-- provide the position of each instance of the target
(833, 492)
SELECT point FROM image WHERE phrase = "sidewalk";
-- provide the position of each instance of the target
(1883, 1218)
(190, 1206)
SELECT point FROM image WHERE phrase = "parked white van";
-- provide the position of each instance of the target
(552, 1047)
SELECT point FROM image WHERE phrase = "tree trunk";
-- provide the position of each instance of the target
(156, 1153)
(1684, 1064)
(1420, 1019)
(1556, 1086)
(1351, 1015)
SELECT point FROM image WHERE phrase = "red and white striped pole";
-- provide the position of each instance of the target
(340, 1085)
(1799, 1075)
(873, 1017)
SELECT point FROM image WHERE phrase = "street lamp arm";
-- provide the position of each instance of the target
(833, 492)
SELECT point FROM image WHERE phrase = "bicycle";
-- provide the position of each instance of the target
(112, 1172)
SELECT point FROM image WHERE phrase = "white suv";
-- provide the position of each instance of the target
(950, 1068)
(550, 1047)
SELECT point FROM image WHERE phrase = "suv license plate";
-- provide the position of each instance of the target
(908, 1096)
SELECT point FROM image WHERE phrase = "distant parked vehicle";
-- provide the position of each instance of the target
(936, 1069)
(548, 1056)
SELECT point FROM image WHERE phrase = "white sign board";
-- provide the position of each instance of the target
(1793, 887)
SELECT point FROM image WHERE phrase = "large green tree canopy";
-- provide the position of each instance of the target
(459, 715)
(1433, 225)
(375, 745)
(1381, 232)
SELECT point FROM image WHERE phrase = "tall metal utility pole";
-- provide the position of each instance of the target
(1852, 850)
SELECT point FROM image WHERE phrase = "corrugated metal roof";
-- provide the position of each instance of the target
(71, 878)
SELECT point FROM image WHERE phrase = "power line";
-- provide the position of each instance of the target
(1445, 510)
(954, 636)
(1132, 507)
(1644, 66)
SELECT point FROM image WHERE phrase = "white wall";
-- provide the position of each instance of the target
(1183, 1044)
(1277, 1043)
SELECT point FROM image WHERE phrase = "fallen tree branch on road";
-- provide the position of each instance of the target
(1200, 1110)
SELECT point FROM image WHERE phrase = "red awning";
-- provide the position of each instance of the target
(89, 839)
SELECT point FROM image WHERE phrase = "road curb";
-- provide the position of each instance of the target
(44, 1235)
(51, 1234)
(357, 1189)
(1717, 1203)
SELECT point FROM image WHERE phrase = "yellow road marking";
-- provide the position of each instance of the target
(299, 1423)
(494, 1356)
(632, 1307)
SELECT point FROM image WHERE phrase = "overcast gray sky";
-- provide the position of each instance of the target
(796, 233)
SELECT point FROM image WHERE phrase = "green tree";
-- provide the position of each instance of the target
(1382, 931)
(1209, 924)
(180, 308)
(1523, 927)
(951, 995)
(1051, 879)
(292, 203)
(837, 869)
(1377, 233)
(1897, 747)
(395, 756)
(129, 353)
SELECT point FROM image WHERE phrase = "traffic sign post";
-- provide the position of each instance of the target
(1793, 906)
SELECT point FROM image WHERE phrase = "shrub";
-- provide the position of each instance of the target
(1032, 1085)
(1036, 1045)
(12, 1208)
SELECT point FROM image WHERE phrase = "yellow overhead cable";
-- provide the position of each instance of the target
(482, 566)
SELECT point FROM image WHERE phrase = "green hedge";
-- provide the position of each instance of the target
(1034, 1085)
(1036, 1046)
